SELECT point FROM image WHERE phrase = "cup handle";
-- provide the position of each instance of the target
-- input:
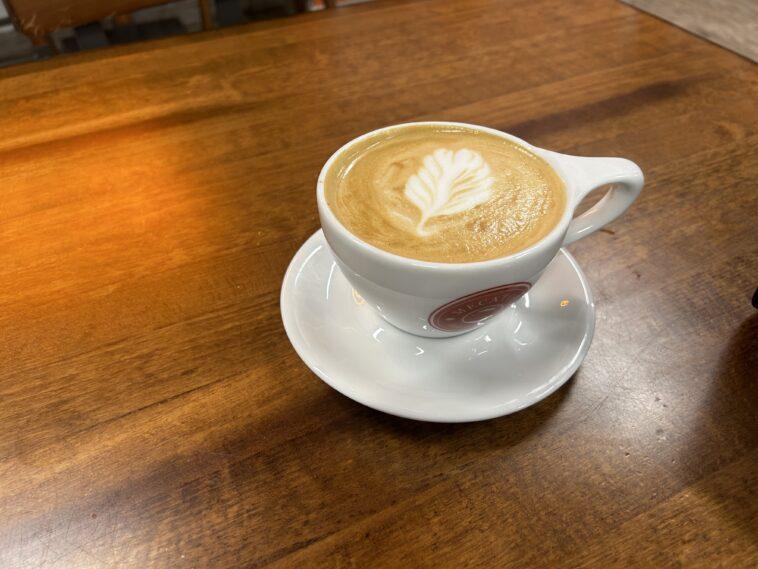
(588, 174)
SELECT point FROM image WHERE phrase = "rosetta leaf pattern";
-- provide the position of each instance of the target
(447, 183)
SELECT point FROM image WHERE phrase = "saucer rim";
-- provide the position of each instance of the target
(295, 337)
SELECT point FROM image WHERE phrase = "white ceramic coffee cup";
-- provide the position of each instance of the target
(446, 299)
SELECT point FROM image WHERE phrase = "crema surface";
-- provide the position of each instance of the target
(444, 194)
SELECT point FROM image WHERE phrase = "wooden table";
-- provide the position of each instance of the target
(153, 412)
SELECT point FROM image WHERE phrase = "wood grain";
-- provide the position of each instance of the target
(153, 412)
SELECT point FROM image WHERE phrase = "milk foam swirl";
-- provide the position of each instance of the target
(447, 183)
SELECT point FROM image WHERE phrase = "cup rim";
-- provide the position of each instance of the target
(557, 231)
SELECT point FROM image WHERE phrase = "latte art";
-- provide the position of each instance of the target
(448, 183)
(444, 193)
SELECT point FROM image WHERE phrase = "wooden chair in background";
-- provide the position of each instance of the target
(37, 19)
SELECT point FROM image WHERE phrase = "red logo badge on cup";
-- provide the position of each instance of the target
(467, 311)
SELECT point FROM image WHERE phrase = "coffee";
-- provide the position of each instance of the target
(444, 193)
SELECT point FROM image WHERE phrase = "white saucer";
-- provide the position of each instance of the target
(519, 358)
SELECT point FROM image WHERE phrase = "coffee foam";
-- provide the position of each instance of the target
(444, 194)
